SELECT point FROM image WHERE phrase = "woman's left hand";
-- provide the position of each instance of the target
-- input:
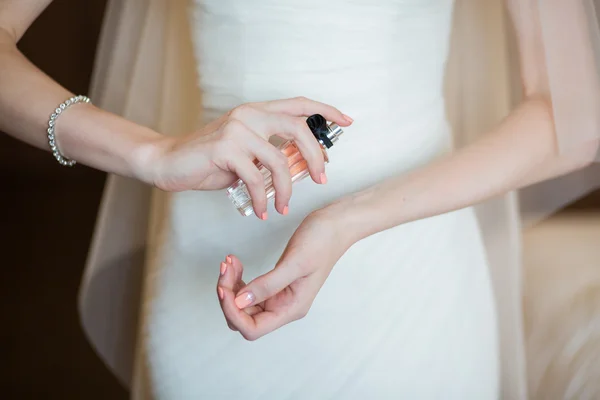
(286, 293)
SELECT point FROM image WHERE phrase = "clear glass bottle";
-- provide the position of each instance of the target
(326, 134)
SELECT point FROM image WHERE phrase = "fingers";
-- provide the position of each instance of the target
(277, 163)
(226, 280)
(238, 268)
(266, 286)
(303, 107)
(230, 280)
(267, 124)
(246, 170)
(254, 321)
(236, 318)
(285, 118)
(250, 125)
(296, 129)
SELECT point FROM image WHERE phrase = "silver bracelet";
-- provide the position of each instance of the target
(51, 138)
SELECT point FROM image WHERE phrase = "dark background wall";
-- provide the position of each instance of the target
(48, 213)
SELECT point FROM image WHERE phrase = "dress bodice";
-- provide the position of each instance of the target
(373, 57)
(380, 62)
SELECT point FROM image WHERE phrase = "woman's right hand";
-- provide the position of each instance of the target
(225, 149)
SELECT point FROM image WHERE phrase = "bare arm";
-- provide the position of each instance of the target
(209, 159)
(520, 151)
(28, 97)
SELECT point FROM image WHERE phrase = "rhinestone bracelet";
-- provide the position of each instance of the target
(51, 138)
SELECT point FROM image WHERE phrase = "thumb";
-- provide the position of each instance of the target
(266, 286)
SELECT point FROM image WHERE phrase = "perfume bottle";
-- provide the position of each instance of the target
(325, 134)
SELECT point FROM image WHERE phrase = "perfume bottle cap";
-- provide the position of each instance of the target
(327, 135)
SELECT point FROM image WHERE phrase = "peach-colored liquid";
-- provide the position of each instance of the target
(298, 171)
(296, 162)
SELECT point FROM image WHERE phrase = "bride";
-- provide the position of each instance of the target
(410, 309)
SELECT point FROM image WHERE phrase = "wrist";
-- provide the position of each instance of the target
(353, 215)
(145, 159)
(107, 142)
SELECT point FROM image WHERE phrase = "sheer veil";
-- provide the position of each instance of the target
(571, 36)
(145, 71)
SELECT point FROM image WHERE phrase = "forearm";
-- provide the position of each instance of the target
(520, 151)
(83, 132)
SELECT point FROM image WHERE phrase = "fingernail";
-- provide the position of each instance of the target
(323, 178)
(285, 210)
(244, 300)
(223, 268)
(228, 259)
(264, 216)
(347, 118)
(221, 294)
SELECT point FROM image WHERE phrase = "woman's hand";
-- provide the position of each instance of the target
(286, 293)
(226, 149)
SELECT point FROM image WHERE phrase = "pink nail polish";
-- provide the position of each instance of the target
(323, 178)
(325, 134)
(285, 210)
(223, 268)
(347, 118)
(228, 259)
(244, 300)
(221, 294)
(264, 216)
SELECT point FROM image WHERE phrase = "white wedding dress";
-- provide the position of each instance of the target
(406, 313)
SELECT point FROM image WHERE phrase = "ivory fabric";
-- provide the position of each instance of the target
(432, 333)
(145, 71)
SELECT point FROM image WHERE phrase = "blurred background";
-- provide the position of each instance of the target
(48, 220)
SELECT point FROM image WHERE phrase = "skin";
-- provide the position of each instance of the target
(211, 158)
(519, 151)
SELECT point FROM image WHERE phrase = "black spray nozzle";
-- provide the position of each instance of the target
(318, 125)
